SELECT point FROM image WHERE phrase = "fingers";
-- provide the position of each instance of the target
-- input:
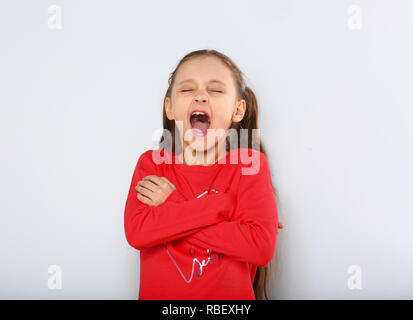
(153, 182)
(144, 191)
(148, 183)
(144, 199)
(151, 188)
(169, 182)
(158, 181)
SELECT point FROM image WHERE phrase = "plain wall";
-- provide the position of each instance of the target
(80, 104)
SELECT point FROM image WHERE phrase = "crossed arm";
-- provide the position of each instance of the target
(242, 226)
(147, 226)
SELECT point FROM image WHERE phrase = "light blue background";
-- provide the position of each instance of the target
(80, 104)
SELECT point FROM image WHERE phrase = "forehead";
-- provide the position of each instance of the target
(204, 69)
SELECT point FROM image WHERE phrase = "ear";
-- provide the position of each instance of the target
(239, 111)
(168, 108)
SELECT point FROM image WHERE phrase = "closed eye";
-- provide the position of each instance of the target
(186, 90)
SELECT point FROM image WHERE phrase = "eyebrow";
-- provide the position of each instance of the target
(192, 80)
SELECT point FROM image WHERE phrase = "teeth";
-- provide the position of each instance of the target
(198, 112)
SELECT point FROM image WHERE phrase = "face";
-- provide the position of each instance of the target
(204, 85)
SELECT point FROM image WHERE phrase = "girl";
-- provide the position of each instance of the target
(202, 212)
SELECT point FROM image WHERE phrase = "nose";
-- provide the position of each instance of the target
(201, 97)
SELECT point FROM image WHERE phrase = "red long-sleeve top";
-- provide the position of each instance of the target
(207, 238)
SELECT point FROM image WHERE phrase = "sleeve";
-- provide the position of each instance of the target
(252, 232)
(146, 226)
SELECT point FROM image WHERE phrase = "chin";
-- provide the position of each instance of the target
(201, 145)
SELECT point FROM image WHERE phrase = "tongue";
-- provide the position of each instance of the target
(201, 125)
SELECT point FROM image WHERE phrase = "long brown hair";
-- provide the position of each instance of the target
(249, 121)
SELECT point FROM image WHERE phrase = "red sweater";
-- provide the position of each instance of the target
(208, 237)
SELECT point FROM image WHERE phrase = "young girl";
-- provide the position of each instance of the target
(202, 212)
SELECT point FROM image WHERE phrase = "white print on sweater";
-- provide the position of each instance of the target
(206, 191)
(202, 264)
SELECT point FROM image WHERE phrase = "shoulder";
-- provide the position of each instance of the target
(251, 161)
(255, 172)
(145, 156)
(146, 164)
(155, 157)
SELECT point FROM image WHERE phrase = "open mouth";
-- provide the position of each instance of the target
(200, 122)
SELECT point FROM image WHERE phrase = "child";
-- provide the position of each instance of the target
(204, 214)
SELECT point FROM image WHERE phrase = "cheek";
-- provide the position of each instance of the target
(180, 109)
(224, 118)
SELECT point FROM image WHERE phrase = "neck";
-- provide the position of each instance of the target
(204, 158)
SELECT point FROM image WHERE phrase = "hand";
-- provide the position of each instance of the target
(154, 190)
